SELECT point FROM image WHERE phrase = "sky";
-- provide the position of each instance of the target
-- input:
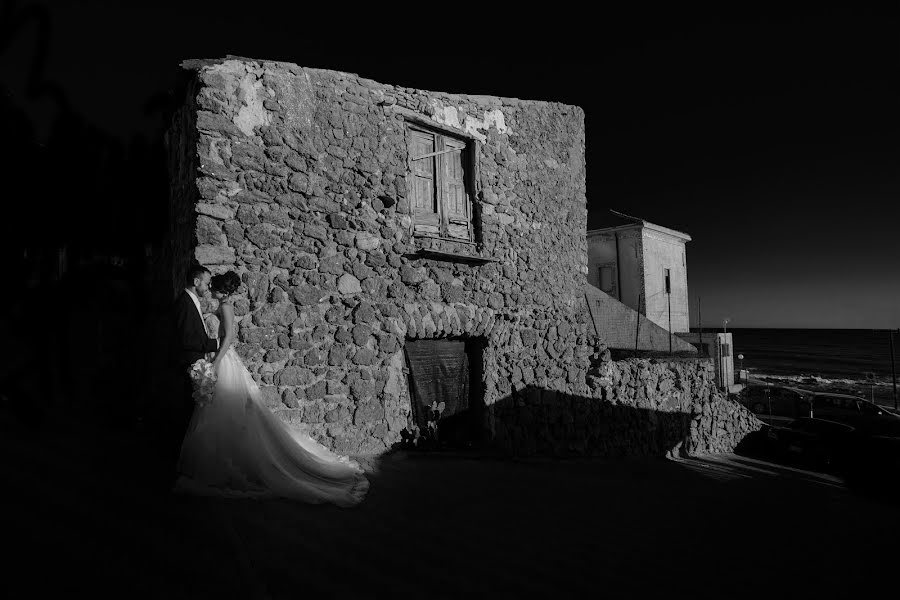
(770, 137)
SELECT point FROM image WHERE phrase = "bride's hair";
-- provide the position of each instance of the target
(226, 283)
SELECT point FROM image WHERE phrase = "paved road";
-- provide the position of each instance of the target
(81, 518)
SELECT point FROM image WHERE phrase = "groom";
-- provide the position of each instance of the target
(190, 343)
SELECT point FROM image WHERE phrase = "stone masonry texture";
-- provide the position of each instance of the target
(296, 178)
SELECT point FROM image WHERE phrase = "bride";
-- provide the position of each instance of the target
(236, 447)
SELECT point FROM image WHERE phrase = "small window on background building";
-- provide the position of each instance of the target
(606, 279)
(668, 281)
(440, 185)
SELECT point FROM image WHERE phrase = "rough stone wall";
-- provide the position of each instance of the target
(302, 190)
(296, 179)
(635, 407)
(667, 406)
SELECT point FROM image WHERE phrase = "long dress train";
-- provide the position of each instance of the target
(236, 447)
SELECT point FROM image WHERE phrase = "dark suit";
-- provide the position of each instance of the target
(189, 343)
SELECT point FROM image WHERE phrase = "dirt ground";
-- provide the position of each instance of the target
(80, 515)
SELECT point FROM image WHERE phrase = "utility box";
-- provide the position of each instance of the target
(724, 356)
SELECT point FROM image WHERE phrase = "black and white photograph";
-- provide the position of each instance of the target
(449, 300)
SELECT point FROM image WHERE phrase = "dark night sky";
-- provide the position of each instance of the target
(770, 137)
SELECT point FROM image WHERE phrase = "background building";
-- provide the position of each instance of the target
(644, 266)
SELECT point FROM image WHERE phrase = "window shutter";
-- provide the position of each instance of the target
(424, 200)
(453, 188)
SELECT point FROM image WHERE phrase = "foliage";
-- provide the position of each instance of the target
(414, 437)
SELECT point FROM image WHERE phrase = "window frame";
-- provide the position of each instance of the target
(470, 177)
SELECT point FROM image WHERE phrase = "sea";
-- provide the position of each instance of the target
(855, 361)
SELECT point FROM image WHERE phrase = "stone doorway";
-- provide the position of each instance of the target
(449, 370)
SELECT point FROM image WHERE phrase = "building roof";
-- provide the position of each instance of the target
(624, 221)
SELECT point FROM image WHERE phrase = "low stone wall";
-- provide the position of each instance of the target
(636, 407)
(683, 387)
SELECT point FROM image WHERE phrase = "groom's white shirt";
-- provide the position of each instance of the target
(199, 311)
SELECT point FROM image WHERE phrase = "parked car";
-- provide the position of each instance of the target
(775, 401)
(861, 414)
(815, 443)
(781, 403)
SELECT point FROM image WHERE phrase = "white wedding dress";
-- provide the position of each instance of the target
(236, 447)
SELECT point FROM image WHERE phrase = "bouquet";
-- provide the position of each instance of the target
(203, 379)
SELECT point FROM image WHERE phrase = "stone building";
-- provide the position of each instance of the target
(384, 233)
(363, 216)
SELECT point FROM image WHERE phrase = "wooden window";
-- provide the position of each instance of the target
(440, 185)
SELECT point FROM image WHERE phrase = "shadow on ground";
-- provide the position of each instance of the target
(868, 470)
(85, 516)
